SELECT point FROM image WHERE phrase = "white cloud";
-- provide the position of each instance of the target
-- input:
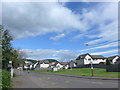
(61, 55)
(106, 52)
(58, 37)
(100, 22)
(106, 18)
(60, 0)
(114, 44)
(32, 19)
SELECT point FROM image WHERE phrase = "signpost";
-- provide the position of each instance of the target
(11, 68)
(91, 67)
(91, 63)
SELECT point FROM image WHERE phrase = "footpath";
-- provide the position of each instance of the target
(21, 80)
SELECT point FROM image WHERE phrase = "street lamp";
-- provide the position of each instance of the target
(91, 62)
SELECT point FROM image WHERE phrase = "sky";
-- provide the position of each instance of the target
(61, 30)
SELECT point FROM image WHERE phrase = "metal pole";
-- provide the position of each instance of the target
(91, 62)
(92, 68)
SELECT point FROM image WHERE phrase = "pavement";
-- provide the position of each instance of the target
(45, 80)
(21, 80)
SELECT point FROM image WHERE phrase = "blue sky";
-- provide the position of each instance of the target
(62, 30)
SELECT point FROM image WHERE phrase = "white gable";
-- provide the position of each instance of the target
(114, 60)
(87, 59)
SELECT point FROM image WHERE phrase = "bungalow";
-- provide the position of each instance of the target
(85, 59)
(114, 59)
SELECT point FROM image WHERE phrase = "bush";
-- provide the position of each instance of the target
(0, 79)
(6, 80)
(108, 62)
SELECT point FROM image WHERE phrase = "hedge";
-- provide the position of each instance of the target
(0, 79)
(6, 80)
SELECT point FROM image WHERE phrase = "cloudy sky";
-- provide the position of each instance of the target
(61, 30)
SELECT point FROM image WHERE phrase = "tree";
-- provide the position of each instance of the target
(8, 52)
(108, 62)
(6, 48)
(0, 46)
(18, 57)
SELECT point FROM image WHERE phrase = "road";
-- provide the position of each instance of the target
(44, 80)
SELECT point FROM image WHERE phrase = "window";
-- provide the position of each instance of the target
(89, 59)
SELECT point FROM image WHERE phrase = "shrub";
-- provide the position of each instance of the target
(108, 62)
(6, 80)
(0, 79)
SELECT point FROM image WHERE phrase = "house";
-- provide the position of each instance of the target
(34, 66)
(54, 69)
(72, 63)
(44, 64)
(114, 59)
(65, 65)
(27, 64)
(60, 65)
(86, 59)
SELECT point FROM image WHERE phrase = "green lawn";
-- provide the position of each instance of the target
(84, 72)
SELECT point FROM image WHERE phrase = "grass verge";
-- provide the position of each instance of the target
(84, 72)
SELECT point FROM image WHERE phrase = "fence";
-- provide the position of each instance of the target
(94, 66)
(113, 68)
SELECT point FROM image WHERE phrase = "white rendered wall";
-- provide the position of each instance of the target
(43, 65)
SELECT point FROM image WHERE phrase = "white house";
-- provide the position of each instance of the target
(35, 65)
(85, 59)
(31, 66)
(27, 64)
(114, 59)
(44, 64)
(60, 65)
(72, 63)
(66, 66)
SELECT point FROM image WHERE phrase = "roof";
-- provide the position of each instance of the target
(28, 62)
(97, 57)
(44, 61)
(93, 56)
(82, 56)
(112, 57)
(74, 61)
(63, 63)
(48, 61)
(118, 59)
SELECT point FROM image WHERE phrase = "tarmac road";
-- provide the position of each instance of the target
(44, 80)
